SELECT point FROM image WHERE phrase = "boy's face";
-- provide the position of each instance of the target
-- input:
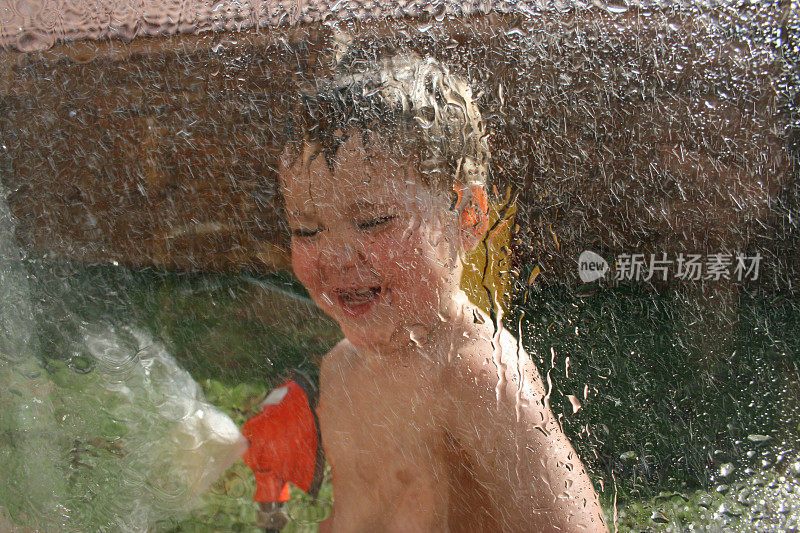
(375, 247)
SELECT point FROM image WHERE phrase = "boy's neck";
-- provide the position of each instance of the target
(436, 341)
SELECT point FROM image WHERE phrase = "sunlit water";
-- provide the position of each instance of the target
(102, 427)
(683, 401)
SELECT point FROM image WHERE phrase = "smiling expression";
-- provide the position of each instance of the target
(375, 247)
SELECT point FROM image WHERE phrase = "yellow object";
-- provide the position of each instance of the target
(487, 283)
(534, 275)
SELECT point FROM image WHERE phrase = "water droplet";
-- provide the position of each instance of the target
(576, 403)
(758, 439)
(729, 509)
(744, 497)
(418, 335)
(628, 457)
(34, 41)
(615, 6)
(726, 469)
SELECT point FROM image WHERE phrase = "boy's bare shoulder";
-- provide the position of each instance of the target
(340, 358)
(498, 414)
(491, 358)
(344, 349)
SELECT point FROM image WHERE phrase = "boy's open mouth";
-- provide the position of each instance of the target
(357, 301)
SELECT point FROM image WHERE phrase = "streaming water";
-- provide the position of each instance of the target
(101, 427)
(643, 244)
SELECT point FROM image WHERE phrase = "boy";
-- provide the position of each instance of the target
(433, 418)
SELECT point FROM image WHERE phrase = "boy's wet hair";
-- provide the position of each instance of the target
(414, 106)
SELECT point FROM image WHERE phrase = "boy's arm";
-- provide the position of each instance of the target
(330, 377)
(326, 526)
(518, 448)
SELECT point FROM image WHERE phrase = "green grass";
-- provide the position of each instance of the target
(673, 386)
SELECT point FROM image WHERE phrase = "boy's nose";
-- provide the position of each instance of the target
(342, 255)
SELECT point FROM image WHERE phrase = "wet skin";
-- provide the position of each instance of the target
(431, 419)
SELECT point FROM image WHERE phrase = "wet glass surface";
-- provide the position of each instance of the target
(642, 244)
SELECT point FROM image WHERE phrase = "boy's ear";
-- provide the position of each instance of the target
(473, 204)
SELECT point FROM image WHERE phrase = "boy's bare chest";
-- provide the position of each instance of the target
(383, 436)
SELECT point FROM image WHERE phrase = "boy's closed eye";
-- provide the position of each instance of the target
(305, 232)
(375, 222)
(367, 224)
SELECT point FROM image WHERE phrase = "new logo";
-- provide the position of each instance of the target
(591, 267)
